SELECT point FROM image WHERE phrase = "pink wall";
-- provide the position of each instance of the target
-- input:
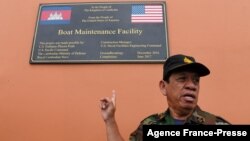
(61, 102)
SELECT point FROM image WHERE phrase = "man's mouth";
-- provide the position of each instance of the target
(189, 97)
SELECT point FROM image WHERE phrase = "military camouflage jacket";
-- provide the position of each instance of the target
(198, 117)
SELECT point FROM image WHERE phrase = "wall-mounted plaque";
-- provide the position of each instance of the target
(125, 32)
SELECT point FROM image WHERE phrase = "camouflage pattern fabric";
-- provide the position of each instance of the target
(198, 117)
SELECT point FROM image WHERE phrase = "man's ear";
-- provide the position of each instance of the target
(163, 85)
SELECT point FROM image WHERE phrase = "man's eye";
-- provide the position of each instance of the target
(197, 80)
(181, 78)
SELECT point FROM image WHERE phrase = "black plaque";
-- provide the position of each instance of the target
(126, 32)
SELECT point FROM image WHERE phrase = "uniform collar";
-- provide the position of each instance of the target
(198, 117)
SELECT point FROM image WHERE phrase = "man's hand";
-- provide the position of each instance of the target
(108, 114)
(108, 107)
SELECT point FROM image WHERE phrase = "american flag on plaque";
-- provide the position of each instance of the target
(147, 13)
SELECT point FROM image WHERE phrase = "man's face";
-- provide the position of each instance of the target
(182, 90)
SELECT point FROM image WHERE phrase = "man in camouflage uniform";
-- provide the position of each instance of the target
(180, 86)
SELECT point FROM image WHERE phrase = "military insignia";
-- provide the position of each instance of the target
(221, 123)
(161, 115)
(188, 61)
(198, 117)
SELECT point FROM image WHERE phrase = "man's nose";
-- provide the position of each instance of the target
(191, 85)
